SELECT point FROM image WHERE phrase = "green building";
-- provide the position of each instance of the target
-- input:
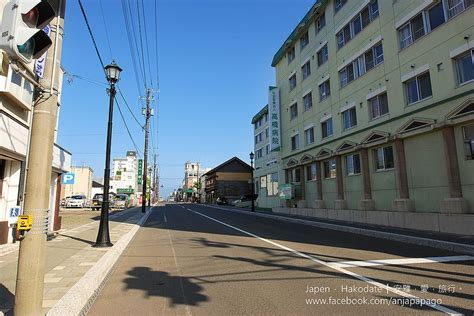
(377, 113)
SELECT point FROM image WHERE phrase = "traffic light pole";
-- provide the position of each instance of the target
(31, 258)
(145, 154)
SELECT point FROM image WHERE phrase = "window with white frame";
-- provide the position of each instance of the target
(259, 153)
(258, 137)
(378, 105)
(305, 70)
(308, 101)
(338, 4)
(293, 111)
(311, 172)
(322, 55)
(465, 67)
(352, 164)
(326, 128)
(361, 65)
(304, 40)
(324, 90)
(358, 23)
(329, 169)
(295, 142)
(320, 23)
(418, 88)
(21, 88)
(309, 136)
(272, 184)
(291, 54)
(349, 118)
(295, 175)
(292, 81)
(429, 19)
(383, 158)
(468, 133)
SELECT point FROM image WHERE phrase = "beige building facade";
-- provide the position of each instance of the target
(377, 113)
(82, 183)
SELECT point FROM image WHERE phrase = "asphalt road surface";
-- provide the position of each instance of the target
(193, 259)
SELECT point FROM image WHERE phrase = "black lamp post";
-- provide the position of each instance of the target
(253, 186)
(103, 238)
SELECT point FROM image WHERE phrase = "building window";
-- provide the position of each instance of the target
(293, 111)
(267, 149)
(306, 70)
(361, 65)
(349, 118)
(295, 142)
(311, 172)
(352, 164)
(259, 153)
(309, 136)
(330, 169)
(266, 133)
(324, 90)
(465, 67)
(320, 23)
(292, 81)
(412, 31)
(326, 128)
(272, 184)
(338, 4)
(454, 7)
(418, 88)
(322, 55)
(468, 132)
(378, 106)
(383, 158)
(308, 101)
(295, 175)
(304, 40)
(291, 54)
(258, 137)
(436, 15)
(360, 21)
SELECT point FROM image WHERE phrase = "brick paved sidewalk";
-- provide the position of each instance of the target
(68, 257)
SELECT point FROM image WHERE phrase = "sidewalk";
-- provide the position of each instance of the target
(69, 257)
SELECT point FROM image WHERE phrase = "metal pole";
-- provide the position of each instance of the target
(253, 188)
(31, 257)
(103, 236)
(145, 154)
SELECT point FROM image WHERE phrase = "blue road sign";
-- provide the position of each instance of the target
(68, 178)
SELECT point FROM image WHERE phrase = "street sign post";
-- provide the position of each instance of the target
(68, 178)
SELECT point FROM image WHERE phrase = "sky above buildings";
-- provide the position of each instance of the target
(214, 61)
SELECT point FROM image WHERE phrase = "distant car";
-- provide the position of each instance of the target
(76, 201)
(122, 201)
(96, 203)
(221, 200)
(64, 201)
(245, 200)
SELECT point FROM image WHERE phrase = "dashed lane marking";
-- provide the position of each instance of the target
(371, 263)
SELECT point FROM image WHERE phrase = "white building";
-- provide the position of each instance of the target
(125, 177)
(16, 101)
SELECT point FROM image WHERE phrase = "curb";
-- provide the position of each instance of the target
(420, 241)
(79, 299)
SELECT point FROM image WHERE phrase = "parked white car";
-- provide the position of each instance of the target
(76, 201)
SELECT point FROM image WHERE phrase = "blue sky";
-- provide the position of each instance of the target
(214, 61)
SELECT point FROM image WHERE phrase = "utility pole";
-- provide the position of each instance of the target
(154, 179)
(147, 113)
(31, 258)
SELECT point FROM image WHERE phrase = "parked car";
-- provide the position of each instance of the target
(245, 200)
(221, 200)
(122, 201)
(76, 201)
(64, 201)
(96, 203)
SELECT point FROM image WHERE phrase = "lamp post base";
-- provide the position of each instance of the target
(102, 244)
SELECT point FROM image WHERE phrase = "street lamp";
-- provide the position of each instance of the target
(253, 186)
(103, 238)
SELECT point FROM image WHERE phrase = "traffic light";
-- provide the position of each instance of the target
(21, 29)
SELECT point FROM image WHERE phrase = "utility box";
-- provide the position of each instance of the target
(25, 222)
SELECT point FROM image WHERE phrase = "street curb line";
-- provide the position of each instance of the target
(420, 241)
(79, 299)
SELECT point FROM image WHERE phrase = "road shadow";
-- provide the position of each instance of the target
(7, 300)
(179, 290)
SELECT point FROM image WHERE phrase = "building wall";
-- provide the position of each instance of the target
(424, 147)
(83, 182)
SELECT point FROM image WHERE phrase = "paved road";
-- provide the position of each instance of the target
(197, 260)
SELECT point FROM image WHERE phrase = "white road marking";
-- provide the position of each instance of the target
(371, 263)
(327, 264)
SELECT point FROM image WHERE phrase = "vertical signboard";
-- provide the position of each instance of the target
(274, 114)
(140, 171)
(40, 62)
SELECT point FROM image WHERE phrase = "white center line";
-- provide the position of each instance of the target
(371, 263)
(327, 264)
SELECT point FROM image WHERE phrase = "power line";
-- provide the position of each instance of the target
(141, 42)
(106, 29)
(91, 35)
(126, 126)
(146, 42)
(129, 109)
